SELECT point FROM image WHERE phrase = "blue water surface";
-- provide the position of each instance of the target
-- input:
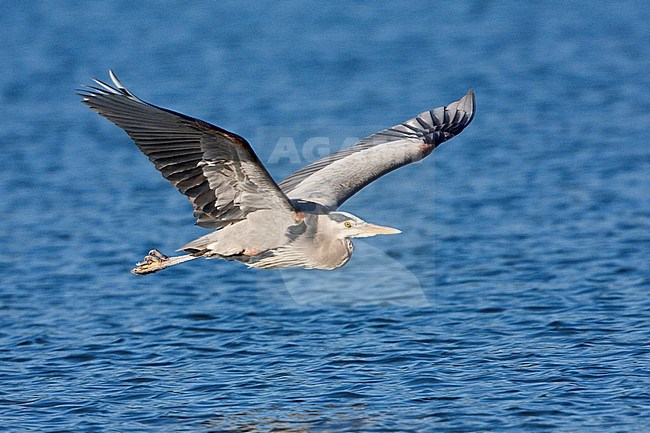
(516, 298)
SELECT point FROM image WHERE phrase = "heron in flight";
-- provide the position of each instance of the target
(256, 221)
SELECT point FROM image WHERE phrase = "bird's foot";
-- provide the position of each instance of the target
(153, 262)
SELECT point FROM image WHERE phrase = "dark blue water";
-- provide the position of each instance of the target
(516, 298)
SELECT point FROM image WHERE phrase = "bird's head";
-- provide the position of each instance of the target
(350, 226)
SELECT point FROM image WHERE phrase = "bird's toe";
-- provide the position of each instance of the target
(157, 255)
(153, 262)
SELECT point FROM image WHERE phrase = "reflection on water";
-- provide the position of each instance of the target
(330, 419)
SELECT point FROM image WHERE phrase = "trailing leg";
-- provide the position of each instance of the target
(156, 261)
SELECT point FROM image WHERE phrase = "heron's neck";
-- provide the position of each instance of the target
(336, 253)
(332, 249)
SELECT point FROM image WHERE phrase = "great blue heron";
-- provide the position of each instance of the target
(255, 220)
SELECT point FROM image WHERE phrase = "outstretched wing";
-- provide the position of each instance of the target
(332, 180)
(216, 169)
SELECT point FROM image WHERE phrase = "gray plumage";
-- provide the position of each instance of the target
(337, 177)
(256, 221)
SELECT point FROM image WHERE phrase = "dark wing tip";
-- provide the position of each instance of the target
(102, 89)
(442, 123)
(468, 104)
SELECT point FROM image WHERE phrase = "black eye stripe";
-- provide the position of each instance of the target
(338, 217)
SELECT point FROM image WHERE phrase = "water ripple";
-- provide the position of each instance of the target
(515, 299)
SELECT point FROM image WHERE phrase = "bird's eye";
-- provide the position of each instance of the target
(347, 224)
